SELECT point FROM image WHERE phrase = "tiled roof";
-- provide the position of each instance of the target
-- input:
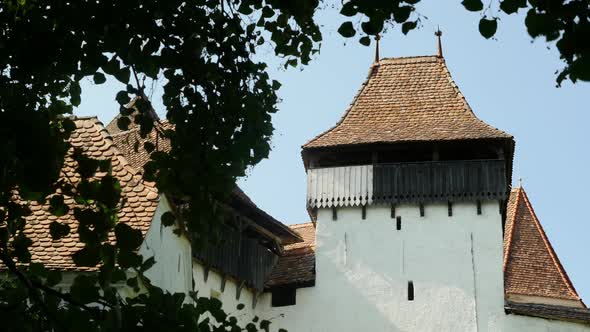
(130, 144)
(127, 141)
(140, 197)
(407, 100)
(296, 266)
(531, 267)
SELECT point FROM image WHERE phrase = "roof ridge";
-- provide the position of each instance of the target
(409, 59)
(549, 247)
(511, 231)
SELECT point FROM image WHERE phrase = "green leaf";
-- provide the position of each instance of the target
(366, 41)
(149, 146)
(403, 13)
(348, 9)
(57, 206)
(123, 75)
(488, 27)
(472, 5)
(245, 8)
(87, 257)
(127, 237)
(53, 278)
(512, 6)
(99, 78)
(123, 123)
(58, 230)
(84, 289)
(276, 85)
(128, 259)
(147, 264)
(267, 12)
(122, 97)
(38, 269)
(408, 26)
(168, 218)
(347, 30)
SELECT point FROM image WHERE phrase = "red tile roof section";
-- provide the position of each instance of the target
(141, 197)
(531, 266)
(407, 100)
(297, 264)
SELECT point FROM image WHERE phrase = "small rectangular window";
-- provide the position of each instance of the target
(410, 290)
(283, 296)
(398, 223)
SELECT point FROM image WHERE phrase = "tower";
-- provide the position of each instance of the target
(408, 192)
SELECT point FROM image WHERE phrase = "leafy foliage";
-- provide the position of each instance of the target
(219, 102)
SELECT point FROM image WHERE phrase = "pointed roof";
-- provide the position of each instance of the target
(531, 267)
(408, 99)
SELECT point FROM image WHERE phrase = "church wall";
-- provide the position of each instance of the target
(173, 268)
(364, 267)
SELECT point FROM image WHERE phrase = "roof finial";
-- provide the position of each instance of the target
(377, 37)
(438, 34)
(519, 182)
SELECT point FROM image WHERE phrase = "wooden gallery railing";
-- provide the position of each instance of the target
(456, 180)
(240, 257)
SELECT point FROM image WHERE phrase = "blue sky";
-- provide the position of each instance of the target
(509, 83)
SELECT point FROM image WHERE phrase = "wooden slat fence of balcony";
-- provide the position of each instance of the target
(439, 181)
(339, 186)
(240, 257)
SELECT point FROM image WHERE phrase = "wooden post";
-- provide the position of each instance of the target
(223, 279)
(239, 290)
(205, 273)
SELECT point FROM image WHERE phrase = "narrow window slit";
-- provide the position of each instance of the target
(410, 290)
(398, 223)
(364, 212)
(421, 209)
(478, 207)
(334, 213)
(450, 204)
(392, 211)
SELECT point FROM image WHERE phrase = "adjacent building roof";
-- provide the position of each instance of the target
(130, 143)
(296, 267)
(404, 100)
(140, 197)
(531, 267)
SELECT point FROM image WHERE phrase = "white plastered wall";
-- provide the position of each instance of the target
(363, 268)
(173, 268)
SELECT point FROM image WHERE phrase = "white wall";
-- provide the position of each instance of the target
(363, 268)
(227, 296)
(173, 268)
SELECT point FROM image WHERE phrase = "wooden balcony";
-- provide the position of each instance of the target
(457, 180)
(239, 257)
